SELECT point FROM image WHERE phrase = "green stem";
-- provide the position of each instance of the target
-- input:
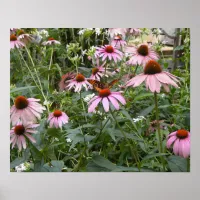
(158, 129)
(50, 66)
(188, 164)
(41, 88)
(83, 107)
(129, 144)
(129, 74)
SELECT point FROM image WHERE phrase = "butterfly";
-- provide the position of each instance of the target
(98, 86)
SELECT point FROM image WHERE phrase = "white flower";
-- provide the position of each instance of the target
(44, 32)
(84, 52)
(89, 29)
(98, 31)
(69, 140)
(163, 95)
(81, 32)
(139, 118)
(88, 97)
(20, 168)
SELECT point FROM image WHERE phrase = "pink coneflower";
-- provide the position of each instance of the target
(15, 43)
(65, 77)
(78, 82)
(109, 52)
(20, 132)
(106, 96)
(181, 142)
(118, 42)
(141, 55)
(28, 110)
(98, 72)
(134, 31)
(117, 31)
(51, 41)
(154, 78)
(24, 37)
(57, 119)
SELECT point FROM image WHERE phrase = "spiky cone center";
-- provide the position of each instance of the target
(50, 39)
(117, 37)
(109, 49)
(13, 37)
(21, 32)
(182, 133)
(104, 92)
(80, 78)
(19, 130)
(21, 102)
(95, 70)
(143, 50)
(152, 67)
(57, 113)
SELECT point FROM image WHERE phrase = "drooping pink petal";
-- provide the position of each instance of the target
(105, 103)
(23, 141)
(170, 141)
(30, 138)
(176, 147)
(94, 104)
(119, 98)
(114, 102)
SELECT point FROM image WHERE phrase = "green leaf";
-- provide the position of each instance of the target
(54, 166)
(22, 88)
(179, 48)
(103, 162)
(177, 164)
(130, 169)
(154, 155)
(142, 96)
(146, 111)
(54, 132)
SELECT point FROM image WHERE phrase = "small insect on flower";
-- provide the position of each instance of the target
(20, 132)
(15, 43)
(106, 97)
(57, 119)
(51, 41)
(78, 82)
(141, 55)
(26, 110)
(154, 78)
(64, 78)
(110, 52)
(24, 37)
(180, 140)
(118, 42)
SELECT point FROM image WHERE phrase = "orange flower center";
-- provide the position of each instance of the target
(80, 78)
(57, 113)
(118, 37)
(51, 38)
(19, 130)
(94, 70)
(143, 50)
(152, 67)
(13, 37)
(109, 49)
(21, 32)
(21, 102)
(182, 133)
(104, 92)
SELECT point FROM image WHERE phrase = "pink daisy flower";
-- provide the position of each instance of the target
(65, 77)
(20, 132)
(154, 78)
(141, 55)
(57, 119)
(109, 52)
(26, 110)
(118, 42)
(15, 43)
(24, 37)
(51, 41)
(117, 31)
(106, 97)
(180, 140)
(78, 82)
(134, 31)
(98, 72)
